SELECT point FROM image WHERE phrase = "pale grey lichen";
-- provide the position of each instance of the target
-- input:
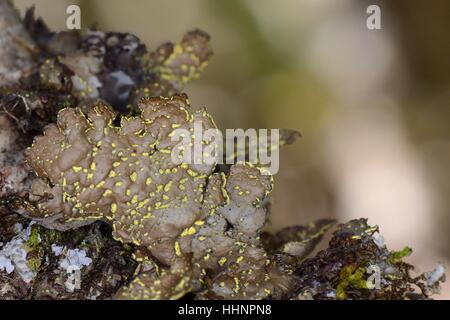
(73, 258)
(436, 275)
(57, 250)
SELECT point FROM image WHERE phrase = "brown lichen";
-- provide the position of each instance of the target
(115, 66)
(91, 169)
(122, 173)
(172, 65)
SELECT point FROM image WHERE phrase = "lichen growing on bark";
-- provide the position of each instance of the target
(99, 193)
(51, 259)
(184, 216)
(358, 265)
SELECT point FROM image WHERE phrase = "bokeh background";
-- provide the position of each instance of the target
(373, 105)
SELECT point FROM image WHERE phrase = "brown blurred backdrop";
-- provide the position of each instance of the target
(373, 105)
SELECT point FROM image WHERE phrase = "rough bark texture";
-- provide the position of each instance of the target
(16, 46)
(16, 61)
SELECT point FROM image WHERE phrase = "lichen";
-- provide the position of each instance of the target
(14, 257)
(195, 228)
(92, 169)
(102, 267)
(105, 213)
(357, 266)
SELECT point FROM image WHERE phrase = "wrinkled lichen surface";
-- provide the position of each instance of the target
(183, 214)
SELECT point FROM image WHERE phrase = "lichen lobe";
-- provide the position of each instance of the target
(197, 228)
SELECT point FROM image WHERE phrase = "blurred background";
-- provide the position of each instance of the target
(373, 105)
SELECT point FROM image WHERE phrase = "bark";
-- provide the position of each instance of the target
(16, 60)
(16, 46)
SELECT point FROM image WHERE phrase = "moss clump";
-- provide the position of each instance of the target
(34, 239)
(351, 277)
(397, 256)
(34, 264)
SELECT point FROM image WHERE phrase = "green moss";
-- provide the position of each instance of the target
(35, 239)
(42, 237)
(397, 256)
(350, 277)
(34, 264)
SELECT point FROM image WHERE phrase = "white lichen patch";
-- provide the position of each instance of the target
(379, 240)
(84, 81)
(74, 259)
(13, 256)
(18, 227)
(72, 262)
(57, 250)
(436, 275)
(11, 161)
(6, 264)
